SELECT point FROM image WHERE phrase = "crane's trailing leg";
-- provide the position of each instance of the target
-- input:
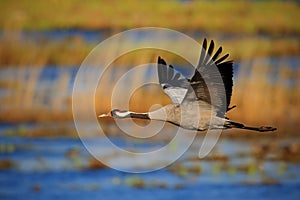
(232, 124)
(231, 108)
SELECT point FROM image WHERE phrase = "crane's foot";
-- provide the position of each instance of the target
(266, 128)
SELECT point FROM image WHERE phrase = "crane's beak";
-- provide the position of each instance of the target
(105, 115)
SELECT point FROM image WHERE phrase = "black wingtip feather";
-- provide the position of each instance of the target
(219, 51)
(209, 52)
(208, 58)
(221, 59)
(161, 61)
(170, 72)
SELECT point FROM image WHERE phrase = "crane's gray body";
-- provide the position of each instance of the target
(196, 115)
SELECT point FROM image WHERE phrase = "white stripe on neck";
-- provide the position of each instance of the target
(123, 114)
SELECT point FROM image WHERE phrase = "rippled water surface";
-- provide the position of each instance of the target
(48, 168)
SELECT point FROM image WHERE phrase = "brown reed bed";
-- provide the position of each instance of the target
(71, 51)
(259, 101)
(15, 51)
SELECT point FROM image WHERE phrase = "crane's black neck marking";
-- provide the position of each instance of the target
(139, 115)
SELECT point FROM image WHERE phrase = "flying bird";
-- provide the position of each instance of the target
(199, 103)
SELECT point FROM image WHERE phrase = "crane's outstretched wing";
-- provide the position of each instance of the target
(212, 75)
(174, 84)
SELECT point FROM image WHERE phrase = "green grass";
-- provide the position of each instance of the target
(273, 17)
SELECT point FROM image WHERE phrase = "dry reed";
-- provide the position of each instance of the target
(264, 94)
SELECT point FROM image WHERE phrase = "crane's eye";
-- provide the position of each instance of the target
(165, 86)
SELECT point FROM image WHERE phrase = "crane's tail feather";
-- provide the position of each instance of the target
(232, 124)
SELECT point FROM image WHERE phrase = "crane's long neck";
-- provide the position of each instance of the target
(154, 115)
(139, 115)
(128, 114)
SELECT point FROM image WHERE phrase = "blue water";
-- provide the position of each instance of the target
(96, 185)
(90, 36)
(44, 171)
(96, 36)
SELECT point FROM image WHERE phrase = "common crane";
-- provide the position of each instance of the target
(191, 97)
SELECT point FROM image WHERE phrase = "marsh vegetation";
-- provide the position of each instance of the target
(41, 51)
